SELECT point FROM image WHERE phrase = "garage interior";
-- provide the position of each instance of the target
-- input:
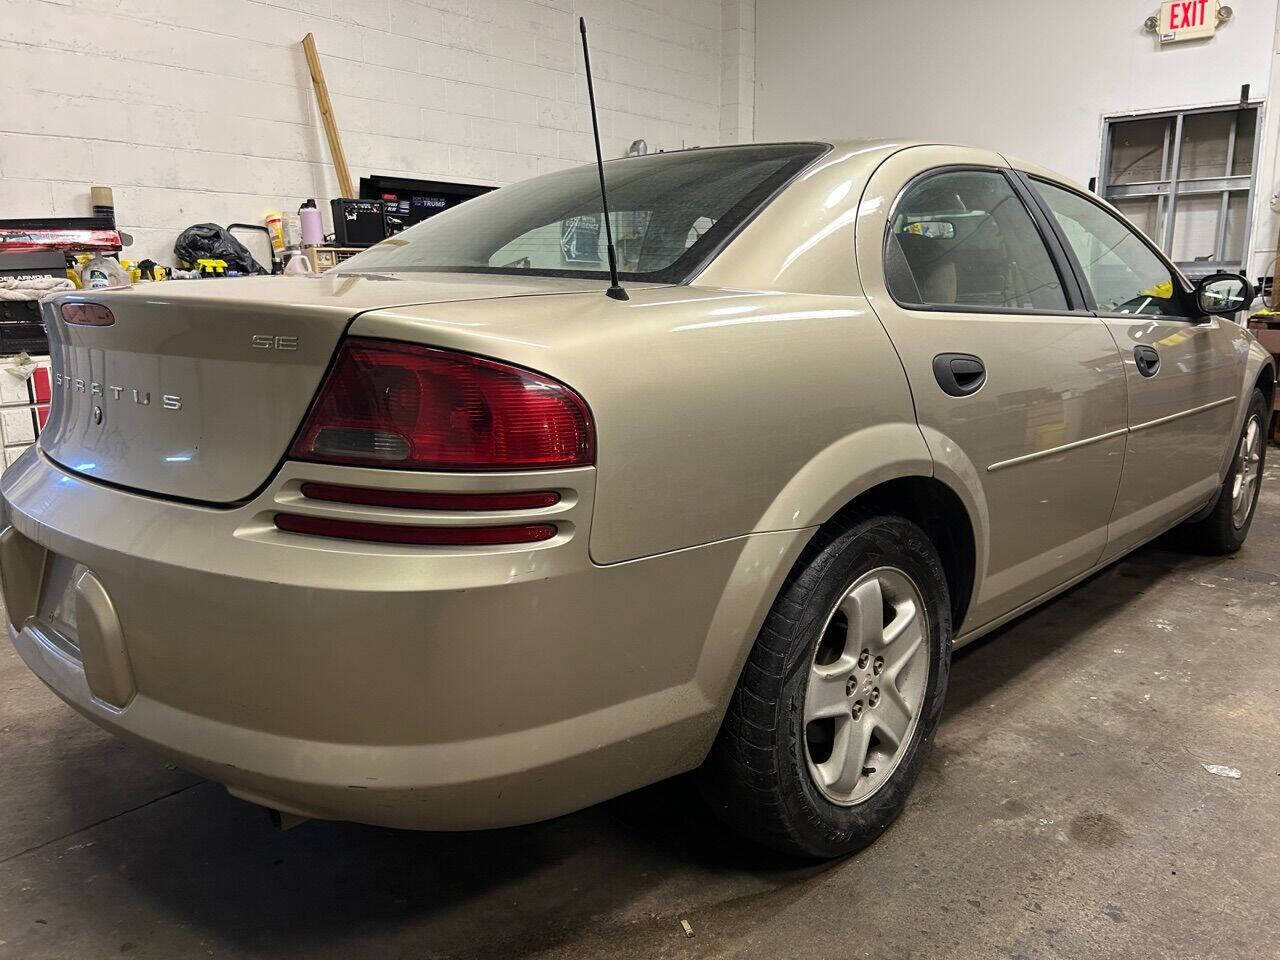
(1065, 812)
(1105, 780)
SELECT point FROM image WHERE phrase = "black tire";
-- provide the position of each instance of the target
(1222, 532)
(757, 777)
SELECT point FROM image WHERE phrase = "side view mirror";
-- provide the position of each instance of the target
(1223, 293)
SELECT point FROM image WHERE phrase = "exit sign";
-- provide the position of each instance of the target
(1187, 20)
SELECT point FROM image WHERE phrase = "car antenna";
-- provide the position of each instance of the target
(615, 288)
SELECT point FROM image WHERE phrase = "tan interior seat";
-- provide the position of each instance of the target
(932, 268)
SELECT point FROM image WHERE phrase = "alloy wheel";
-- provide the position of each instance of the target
(1247, 465)
(866, 685)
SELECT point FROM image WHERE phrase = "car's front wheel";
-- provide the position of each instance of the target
(841, 694)
(1225, 528)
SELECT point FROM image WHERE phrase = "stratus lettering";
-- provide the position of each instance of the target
(169, 401)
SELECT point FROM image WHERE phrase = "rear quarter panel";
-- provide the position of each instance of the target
(718, 413)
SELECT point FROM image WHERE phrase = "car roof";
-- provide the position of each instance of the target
(864, 145)
(801, 241)
(890, 145)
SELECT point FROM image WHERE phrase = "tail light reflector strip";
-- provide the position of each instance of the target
(417, 536)
(422, 500)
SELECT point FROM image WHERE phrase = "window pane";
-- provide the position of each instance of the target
(1246, 128)
(1195, 227)
(672, 210)
(1141, 212)
(1137, 151)
(1204, 145)
(1125, 276)
(965, 239)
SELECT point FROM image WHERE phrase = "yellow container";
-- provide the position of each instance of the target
(275, 225)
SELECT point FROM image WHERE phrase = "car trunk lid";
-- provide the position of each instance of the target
(196, 389)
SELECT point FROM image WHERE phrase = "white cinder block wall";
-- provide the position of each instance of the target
(208, 115)
(1032, 79)
(738, 71)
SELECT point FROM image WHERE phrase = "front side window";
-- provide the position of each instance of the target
(963, 238)
(1125, 276)
(668, 213)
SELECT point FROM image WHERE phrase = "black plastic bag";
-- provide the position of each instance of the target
(208, 241)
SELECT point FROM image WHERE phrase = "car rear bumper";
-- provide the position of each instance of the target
(520, 777)
(435, 688)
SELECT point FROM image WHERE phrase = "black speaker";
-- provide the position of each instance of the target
(357, 223)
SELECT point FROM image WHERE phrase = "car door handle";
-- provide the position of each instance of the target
(959, 374)
(1147, 359)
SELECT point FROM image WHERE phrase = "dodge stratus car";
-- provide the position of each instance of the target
(448, 539)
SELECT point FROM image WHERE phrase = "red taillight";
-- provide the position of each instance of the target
(87, 314)
(417, 536)
(421, 500)
(387, 404)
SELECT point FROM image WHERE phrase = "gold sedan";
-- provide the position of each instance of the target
(447, 538)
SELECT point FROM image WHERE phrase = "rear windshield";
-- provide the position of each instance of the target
(669, 213)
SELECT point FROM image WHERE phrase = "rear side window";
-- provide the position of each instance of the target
(1125, 276)
(964, 239)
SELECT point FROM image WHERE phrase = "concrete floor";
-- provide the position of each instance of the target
(1064, 813)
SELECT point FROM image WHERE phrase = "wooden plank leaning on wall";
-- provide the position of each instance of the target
(326, 114)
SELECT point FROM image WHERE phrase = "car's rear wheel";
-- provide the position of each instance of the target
(1225, 528)
(841, 694)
